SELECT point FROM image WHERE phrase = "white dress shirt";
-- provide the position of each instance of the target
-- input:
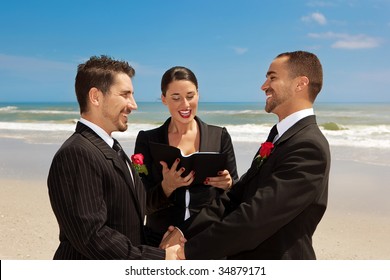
(99, 131)
(292, 119)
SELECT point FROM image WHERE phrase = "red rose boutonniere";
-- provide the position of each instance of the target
(265, 151)
(138, 163)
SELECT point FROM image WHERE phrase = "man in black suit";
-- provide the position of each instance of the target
(276, 206)
(97, 197)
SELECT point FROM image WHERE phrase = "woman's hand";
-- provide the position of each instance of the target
(172, 179)
(223, 180)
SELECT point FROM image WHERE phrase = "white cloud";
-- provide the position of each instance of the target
(347, 41)
(356, 43)
(240, 50)
(316, 17)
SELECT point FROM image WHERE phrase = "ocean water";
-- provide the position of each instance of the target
(355, 131)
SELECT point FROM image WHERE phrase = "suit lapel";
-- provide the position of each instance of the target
(254, 169)
(110, 154)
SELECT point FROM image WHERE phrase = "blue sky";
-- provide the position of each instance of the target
(228, 44)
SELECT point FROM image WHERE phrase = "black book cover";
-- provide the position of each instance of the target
(205, 164)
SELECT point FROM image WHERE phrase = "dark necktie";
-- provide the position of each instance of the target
(122, 155)
(272, 134)
(118, 148)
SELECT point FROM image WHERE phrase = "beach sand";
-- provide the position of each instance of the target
(356, 224)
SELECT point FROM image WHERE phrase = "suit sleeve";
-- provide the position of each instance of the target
(75, 184)
(277, 199)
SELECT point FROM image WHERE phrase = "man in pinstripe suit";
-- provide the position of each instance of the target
(97, 198)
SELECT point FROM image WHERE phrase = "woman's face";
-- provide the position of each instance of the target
(181, 98)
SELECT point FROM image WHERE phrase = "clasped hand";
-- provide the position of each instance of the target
(173, 243)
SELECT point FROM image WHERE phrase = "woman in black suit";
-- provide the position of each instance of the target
(170, 198)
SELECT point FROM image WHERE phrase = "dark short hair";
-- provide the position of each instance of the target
(98, 72)
(302, 63)
(177, 73)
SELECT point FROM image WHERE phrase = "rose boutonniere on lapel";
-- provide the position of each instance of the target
(265, 151)
(138, 163)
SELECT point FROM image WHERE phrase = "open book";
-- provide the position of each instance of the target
(205, 164)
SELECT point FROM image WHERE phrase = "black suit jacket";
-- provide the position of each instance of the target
(273, 210)
(162, 211)
(100, 211)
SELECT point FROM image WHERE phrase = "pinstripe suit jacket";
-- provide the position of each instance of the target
(99, 210)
